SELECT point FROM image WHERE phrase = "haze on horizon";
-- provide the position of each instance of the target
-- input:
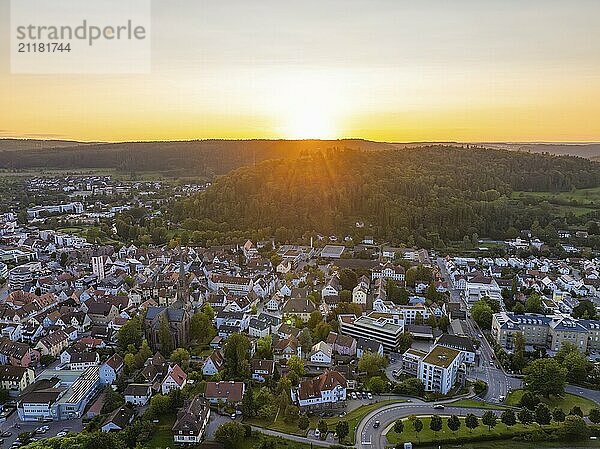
(384, 70)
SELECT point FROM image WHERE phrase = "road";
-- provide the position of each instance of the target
(374, 438)
(499, 383)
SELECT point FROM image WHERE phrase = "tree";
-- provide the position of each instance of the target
(231, 435)
(303, 422)
(296, 365)
(321, 331)
(164, 335)
(576, 411)
(508, 418)
(525, 416)
(305, 340)
(542, 414)
(201, 326)
(323, 428)
(574, 428)
(518, 359)
(558, 415)
(405, 341)
(399, 426)
(130, 334)
(348, 279)
(417, 426)
(545, 377)
(489, 418)
(371, 363)
(585, 309)
(248, 406)
(576, 365)
(236, 354)
(342, 429)
(453, 423)
(377, 385)
(431, 321)
(529, 400)
(435, 423)
(264, 347)
(471, 421)
(160, 404)
(181, 356)
(594, 415)
(534, 304)
(443, 323)
(315, 318)
(482, 314)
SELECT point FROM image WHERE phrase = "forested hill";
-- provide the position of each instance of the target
(198, 157)
(404, 195)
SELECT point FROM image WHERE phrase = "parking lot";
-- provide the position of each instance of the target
(14, 427)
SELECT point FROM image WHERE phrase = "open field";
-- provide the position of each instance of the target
(566, 402)
(578, 201)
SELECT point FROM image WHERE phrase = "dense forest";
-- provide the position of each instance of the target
(202, 158)
(421, 195)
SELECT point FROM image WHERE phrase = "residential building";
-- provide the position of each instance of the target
(327, 390)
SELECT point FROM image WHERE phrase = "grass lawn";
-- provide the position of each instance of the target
(352, 418)
(356, 416)
(255, 439)
(475, 404)
(162, 437)
(510, 444)
(501, 431)
(566, 402)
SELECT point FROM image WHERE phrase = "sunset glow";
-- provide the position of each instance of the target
(394, 71)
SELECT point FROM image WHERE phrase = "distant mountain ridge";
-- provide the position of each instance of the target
(217, 156)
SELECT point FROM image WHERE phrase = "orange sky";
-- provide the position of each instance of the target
(381, 70)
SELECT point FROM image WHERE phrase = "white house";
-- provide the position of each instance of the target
(325, 390)
(111, 369)
(175, 379)
(138, 394)
(321, 353)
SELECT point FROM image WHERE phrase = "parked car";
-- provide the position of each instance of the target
(353, 395)
(6, 434)
(317, 433)
(233, 415)
(370, 396)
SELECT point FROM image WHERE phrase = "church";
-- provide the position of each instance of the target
(177, 316)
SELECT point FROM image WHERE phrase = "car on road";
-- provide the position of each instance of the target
(492, 363)
(438, 407)
(376, 424)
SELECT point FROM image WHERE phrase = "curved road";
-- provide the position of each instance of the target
(367, 437)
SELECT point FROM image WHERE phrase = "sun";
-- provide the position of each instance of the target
(310, 123)
(306, 106)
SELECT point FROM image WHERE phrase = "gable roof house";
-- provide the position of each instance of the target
(53, 344)
(213, 364)
(300, 308)
(191, 422)
(118, 420)
(327, 390)
(230, 392)
(175, 379)
(111, 369)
